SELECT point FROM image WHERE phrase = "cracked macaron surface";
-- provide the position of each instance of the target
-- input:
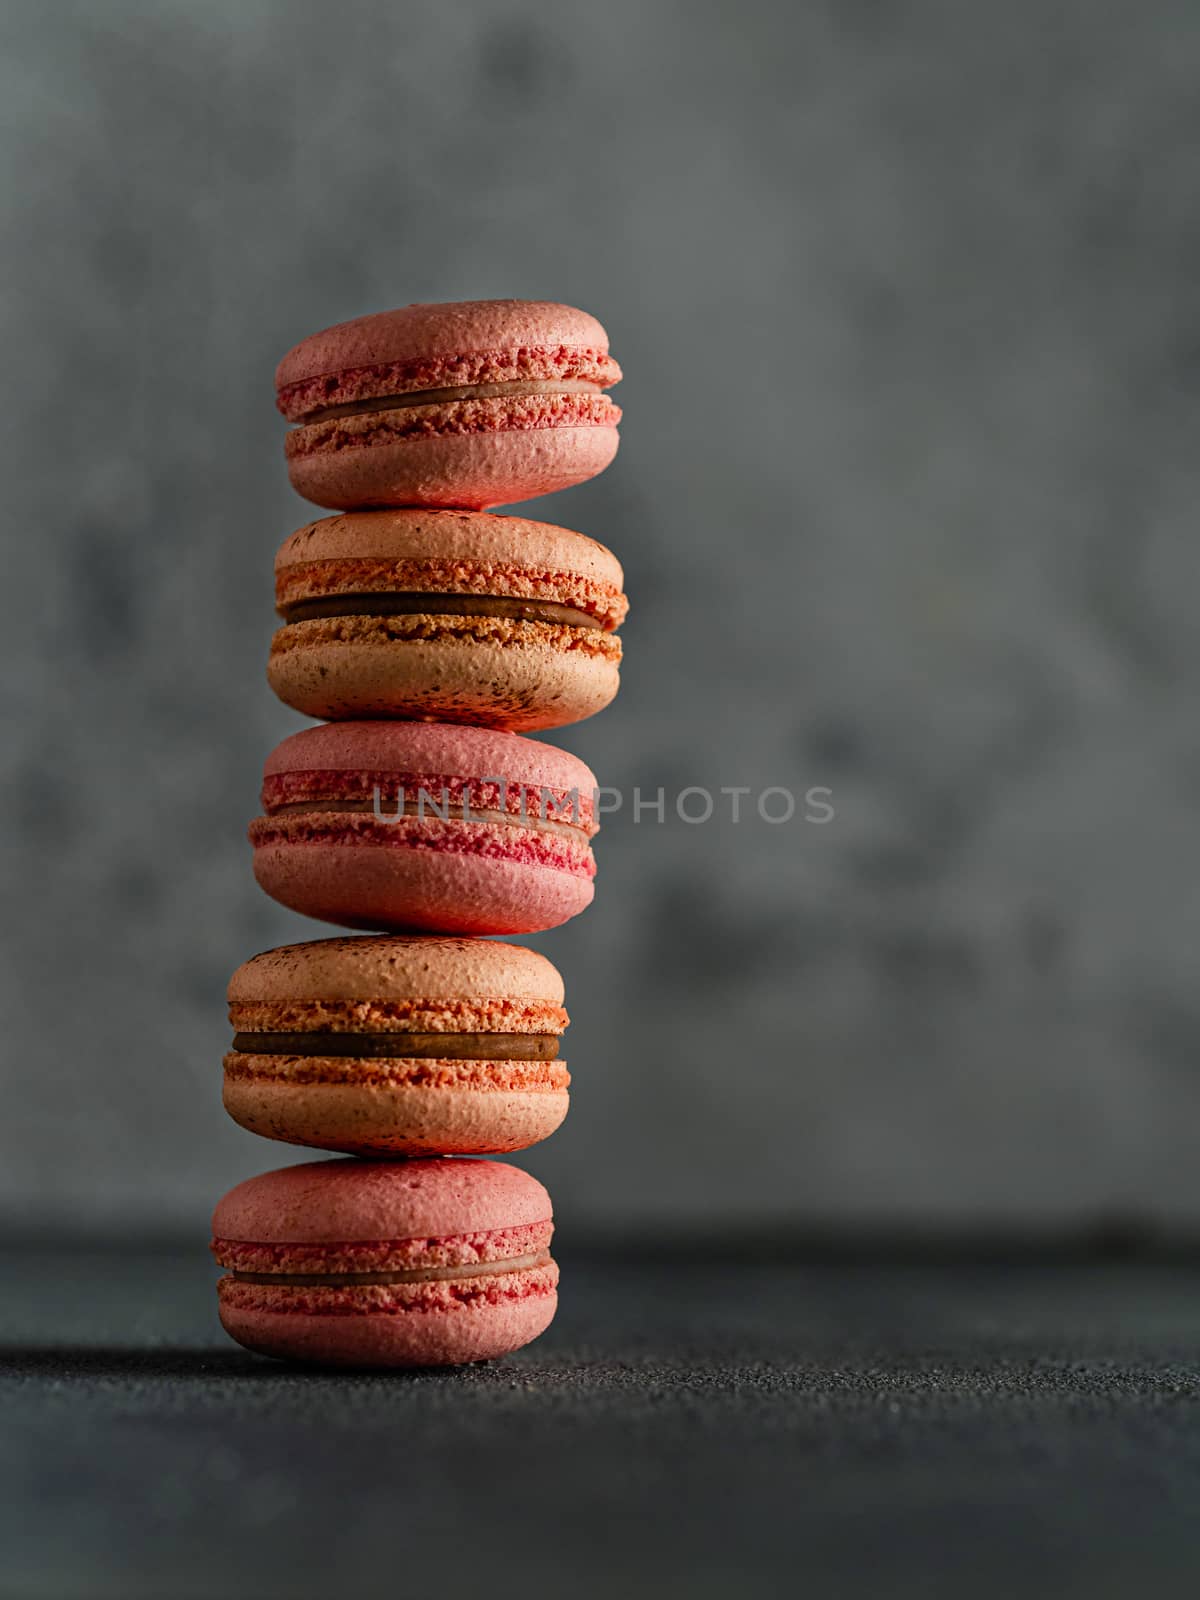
(448, 616)
(366, 1263)
(470, 404)
(398, 1046)
(426, 827)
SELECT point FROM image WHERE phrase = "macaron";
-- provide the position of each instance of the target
(446, 616)
(426, 827)
(481, 403)
(398, 1046)
(386, 1264)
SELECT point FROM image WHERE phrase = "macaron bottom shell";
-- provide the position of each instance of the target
(466, 471)
(535, 678)
(393, 888)
(443, 1323)
(393, 1120)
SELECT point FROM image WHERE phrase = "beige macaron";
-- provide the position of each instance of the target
(446, 616)
(398, 1046)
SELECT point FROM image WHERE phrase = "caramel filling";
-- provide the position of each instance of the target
(475, 1269)
(404, 1046)
(438, 397)
(437, 605)
(431, 810)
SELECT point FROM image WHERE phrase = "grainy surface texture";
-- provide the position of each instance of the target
(684, 1428)
(907, 298)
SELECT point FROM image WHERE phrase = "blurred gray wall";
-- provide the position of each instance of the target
(908, 300)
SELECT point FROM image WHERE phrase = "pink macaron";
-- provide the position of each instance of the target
(426, 827)
(386, 1264)
(469, 405)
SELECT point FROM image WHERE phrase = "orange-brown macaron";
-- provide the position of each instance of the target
(398, 1046)
(446, 616)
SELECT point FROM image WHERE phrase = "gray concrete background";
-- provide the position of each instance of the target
(908, 299)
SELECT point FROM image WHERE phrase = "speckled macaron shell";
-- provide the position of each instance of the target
(441, 344)
(433, 1262)
(304, 999)
(515, 405)
(509, 672)
(324, 848)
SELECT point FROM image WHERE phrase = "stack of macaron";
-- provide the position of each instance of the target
(430, 635)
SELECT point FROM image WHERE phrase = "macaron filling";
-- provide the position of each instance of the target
(489, 1043)
(557, 365)
(412, 579)
(413, 1046)
(454, 1255)
(394, 812)
(438, 605)
(342, 1297)
(480, 1269)
(497, 414)
(454, 815)
(378, 630)
(429, 795)
(438, 397)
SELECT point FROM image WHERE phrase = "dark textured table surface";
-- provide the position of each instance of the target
(686, 1427)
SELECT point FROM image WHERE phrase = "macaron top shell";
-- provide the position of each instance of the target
(430, 749)
(388, 967)
(463, 344)
(450, 552)
(345, 1201)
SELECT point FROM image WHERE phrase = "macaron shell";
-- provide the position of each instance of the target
(385, 968)
(477, 540)
(521, 676)
(434, 1331)
(391, 888)
(430, 749)
(527, 331)
(471, 471)
(338, 1201)
(373, 1119)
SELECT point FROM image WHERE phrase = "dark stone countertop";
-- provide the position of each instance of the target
(686, 1427)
